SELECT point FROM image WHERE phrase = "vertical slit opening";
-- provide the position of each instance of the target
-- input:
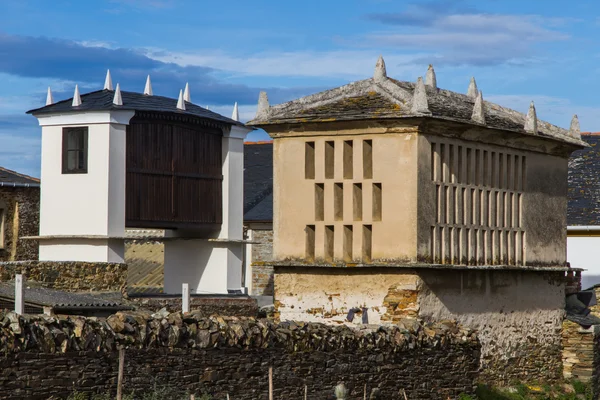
(377, 201)
(367, 243)
(433, 163)
(348, 243)
(329, 242)
(460, 165)
(329, 159)
(348, 159)
(310, 242)
(367, 159)
(338, 201)
(309, 160)
(319, 202)
(469, 168)
(357, 203)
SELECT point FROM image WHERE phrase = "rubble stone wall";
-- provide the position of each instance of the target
(22, 218)
(578, 351)
(70, 276)
(262, 271)
(45, 356)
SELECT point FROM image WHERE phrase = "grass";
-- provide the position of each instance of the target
(521, 391)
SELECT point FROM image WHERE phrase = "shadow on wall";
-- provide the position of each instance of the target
(478, 292)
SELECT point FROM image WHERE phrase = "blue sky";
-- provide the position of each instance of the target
(228, 51)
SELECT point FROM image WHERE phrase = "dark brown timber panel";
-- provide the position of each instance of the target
(173, 172)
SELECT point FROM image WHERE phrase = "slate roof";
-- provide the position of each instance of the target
(58, 299)
(102, 100)
(7, 176)
(584, 183)
(387, 98)
(258, 181)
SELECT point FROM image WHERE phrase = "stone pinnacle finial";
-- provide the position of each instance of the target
(419, 101)
(118, 100)
(49, 98)
(380, 71)
(186, 93)
(262, 111)
(531, 119)
(180, 101)
(148, 87)
(478, 110)
(472, 90)
(430, 79)
(236, 114)
(575, 129)
(108, 81)
(76, 97)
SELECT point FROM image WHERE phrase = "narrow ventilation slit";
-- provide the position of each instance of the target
(367, 243)
(310, 242)
(309, 160)
(329, 237)
(367, 159)
(377, 201)
(357, 201)
(319, 202)
(348, 240)
(329, 159)
(348, 159)
(338, 201)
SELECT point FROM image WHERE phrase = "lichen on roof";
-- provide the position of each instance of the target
(387, 98)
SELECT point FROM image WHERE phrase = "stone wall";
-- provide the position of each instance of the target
(22, 218)
(518, 314)
(241, 306)
(578, 351)
(70, 276)
(45, 356)
(262, 253)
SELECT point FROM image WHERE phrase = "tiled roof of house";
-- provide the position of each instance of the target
(57, 298)
(382, 97)
(584, 183)
(258, 181)
(9, 177)
(102, 100)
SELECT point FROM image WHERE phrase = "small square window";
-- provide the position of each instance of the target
(75, 150)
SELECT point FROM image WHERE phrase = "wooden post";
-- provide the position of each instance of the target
(192, 397)
(19, 307)
(185, 297)
(120, 376)
(227, 396)
(270, 383)
(365, 395)
(305, 392)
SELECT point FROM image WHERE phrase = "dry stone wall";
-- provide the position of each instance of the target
(46, 356)
(22, 218)
(70, 276)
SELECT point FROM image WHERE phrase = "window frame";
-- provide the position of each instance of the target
(66, 150)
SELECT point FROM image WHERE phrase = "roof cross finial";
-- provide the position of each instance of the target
(380, 71)
(236, 114)
(430, 79)
(117, 99)
(531, 120)
(262, 111)
(108, 81)
(49, 97)
(419, 100)
(575, 129)
(478, 110)
(76, 97)
(472, 90)
(186, 93)
(180, 101)
(148, 87)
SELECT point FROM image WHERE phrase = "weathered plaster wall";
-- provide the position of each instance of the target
(232, 356)
(21, 219)
(70, 276)
(518, 316)
(328, 294)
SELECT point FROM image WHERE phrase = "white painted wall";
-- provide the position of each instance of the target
(584, 252)
(91, 204)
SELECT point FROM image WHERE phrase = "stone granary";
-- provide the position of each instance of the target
(136, 160)
(398, 199)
